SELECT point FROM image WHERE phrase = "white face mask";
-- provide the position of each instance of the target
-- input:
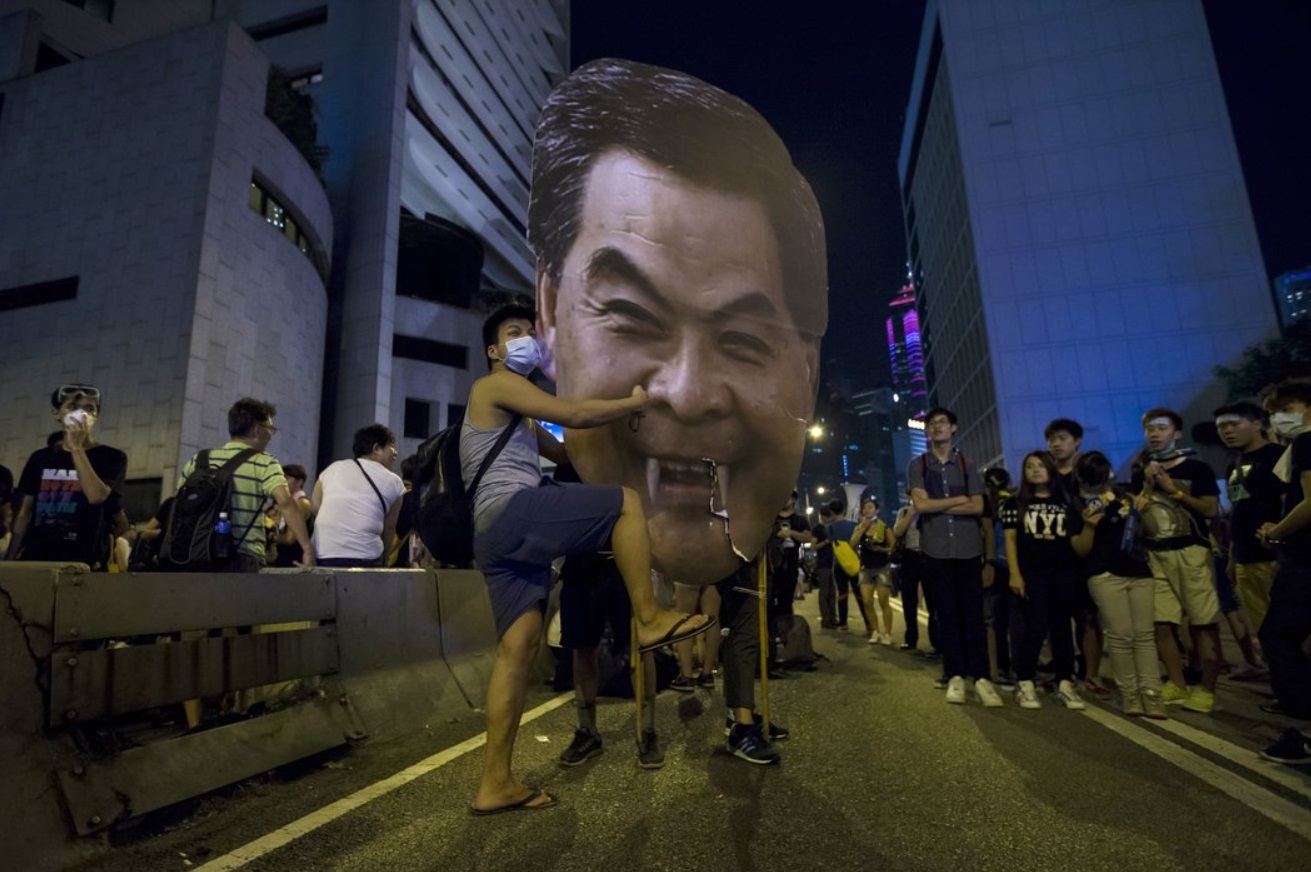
(522, 354)
(1287, 424)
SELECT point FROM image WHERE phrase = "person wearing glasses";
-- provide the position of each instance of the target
(68, 492)
(259, 478)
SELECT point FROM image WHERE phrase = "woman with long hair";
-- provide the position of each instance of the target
(1040, 525)
(1120, 581)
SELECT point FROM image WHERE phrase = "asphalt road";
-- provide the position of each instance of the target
(879, 773)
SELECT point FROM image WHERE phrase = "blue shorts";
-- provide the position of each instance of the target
(536, 526)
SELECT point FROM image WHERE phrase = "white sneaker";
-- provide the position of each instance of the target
(1066, 693)
(885, 638)
(874, 638)
(956, 690)
(1026, 695)
(987, 694)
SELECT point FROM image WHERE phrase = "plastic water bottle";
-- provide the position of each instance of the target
(222, 539)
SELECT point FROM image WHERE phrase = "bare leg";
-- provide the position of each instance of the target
(632, 550)
(585, 676)
(1092, 649)
(867, 610)
(1206, 640)
(1244, 636)
(885, 605)
(506, 692)
(1171, 657)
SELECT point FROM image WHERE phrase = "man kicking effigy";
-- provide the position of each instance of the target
(523, 522)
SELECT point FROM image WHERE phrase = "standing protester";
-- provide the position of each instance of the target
(1182, 498)
(1042, 531)
(791, 531)
(68, 491)
(997, 597)
(824, 561)
(1064, 441)
(874, 541)
(1256, 494)
(909, 566)
(523, 522)
(258, 478)
(356, 503)
(841, 529)
(1121, 583)
(948, 494)
(1288, 622)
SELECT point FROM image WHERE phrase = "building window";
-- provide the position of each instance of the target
(262, 202)
(429, 351)
(417, 419)
(23, 296)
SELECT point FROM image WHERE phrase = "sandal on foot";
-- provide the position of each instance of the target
(525, 804)
(677, 633)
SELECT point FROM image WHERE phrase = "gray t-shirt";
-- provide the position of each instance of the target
(517, 467)
(944, 536)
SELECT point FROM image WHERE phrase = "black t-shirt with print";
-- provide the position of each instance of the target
(64, 524)
(1110, 551)
(1175, 521)
(1043, 530)
(822, 547)
(1257, 497)
(1297, 547)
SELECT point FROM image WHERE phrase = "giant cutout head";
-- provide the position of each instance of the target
(679, 249)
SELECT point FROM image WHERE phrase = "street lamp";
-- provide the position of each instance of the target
(820, 490)
(816, 431)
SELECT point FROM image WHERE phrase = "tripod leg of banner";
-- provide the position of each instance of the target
(639, 681)
(763, 612)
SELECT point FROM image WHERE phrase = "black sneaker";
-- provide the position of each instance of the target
(776, 730)
(1291, 749)
(1271, 706)
(706, 680)
(649, 753)
(584, 747)
(746, 743)
(683, 684)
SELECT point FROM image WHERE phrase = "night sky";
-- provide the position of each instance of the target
(834, 81)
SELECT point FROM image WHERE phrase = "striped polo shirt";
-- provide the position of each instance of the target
(253, 485)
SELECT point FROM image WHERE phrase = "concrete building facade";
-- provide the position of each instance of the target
(1078, 226)
(212, 260)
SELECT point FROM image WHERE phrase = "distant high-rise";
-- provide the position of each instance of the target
(909, 382)
(1293, 296)
(1079, 234)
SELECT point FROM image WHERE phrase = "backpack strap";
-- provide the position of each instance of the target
(227, 470)
(496, 449)
(382, 502)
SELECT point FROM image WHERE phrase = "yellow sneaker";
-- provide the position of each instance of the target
(1173, 694)
(1200, 700)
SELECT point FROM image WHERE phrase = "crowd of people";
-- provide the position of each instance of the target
(67, 503)
(1073, 562)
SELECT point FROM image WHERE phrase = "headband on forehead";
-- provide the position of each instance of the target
(1229, 419)
(1161, 421)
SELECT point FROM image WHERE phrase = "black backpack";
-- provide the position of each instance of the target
(188, 541)
(445, 518)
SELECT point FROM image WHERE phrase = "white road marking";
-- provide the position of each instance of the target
(1292, 817)
(238, 857)
(1288, 814)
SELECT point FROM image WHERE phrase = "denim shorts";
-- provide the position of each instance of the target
(537, 525)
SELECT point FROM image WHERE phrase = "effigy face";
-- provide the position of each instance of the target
(686, 255)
